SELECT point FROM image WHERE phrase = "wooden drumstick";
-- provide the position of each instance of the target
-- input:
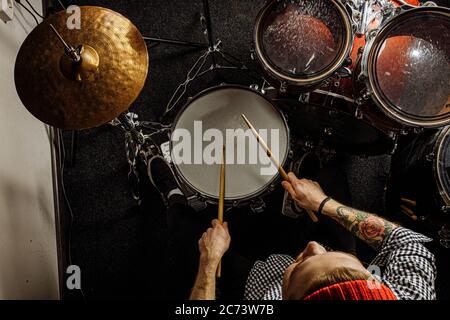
(266, 148)
(408, 201)
(275, 160)
(221, 202)
(408, 212)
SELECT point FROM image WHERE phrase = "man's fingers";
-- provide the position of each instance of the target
(214, 222)
(225, 225)
(296, 183)
(292, 177)
(286, 185)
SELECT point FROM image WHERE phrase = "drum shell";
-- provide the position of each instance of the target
(331, 115)
(417, 172)
(255, 199)
(369, 109)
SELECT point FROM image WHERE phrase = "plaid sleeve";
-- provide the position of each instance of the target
(409, 269)
(265, 278)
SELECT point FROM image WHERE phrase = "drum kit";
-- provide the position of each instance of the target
(356, 73)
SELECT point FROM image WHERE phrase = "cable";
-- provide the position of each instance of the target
(34, 10)
(62, 157)
(29, 11)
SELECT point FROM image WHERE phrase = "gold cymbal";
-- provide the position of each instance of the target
(109, 77)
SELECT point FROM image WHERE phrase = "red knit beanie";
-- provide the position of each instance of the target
(353, 290)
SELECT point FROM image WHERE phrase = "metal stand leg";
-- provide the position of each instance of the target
(208, 30)
(177, 42)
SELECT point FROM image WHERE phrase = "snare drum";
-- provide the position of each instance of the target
(302, 43)
(404, 71)
(219, 109)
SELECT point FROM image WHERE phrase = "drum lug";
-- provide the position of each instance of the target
(333, 113)
(344, 72)
(394, 137)
(429, 4)
(328, 131)
(270, 92)
(304, 97)
(309, 144)
(418, 130)
(395, 146)
(430, 157)
(358, 113)
(362, 77)
(364, 97)
(371, 34)
(387, 9)
(283, 87)
(252, 55)
(404, 131)
(397, 10)
(255, 87)
(196, 203)
(258, 205)
(445, 209)
(361, 50)
(444, 236)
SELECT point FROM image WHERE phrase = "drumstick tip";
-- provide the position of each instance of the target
(245, 119)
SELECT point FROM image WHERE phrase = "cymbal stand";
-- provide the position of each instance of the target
(134, 141)
(212, 50)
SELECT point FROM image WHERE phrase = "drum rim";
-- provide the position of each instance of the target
(369, 66)
(442, 183)
(263, 189)
(310, 80)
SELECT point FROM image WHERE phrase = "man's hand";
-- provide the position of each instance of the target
(213, 244)
(308, 194)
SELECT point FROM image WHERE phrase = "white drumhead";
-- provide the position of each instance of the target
(221, 108)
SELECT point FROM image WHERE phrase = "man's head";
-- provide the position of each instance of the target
(316, 268)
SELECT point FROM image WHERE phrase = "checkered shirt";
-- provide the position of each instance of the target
(406, 266)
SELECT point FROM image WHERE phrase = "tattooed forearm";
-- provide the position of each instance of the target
(368, 227)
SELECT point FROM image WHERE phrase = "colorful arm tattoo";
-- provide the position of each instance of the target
(368, 227)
